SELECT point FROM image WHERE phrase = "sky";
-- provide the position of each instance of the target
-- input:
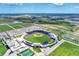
(39, 8)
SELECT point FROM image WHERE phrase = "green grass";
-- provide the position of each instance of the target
(20, 25)
(17, 25)
(3, 49)
(4, 28)
(66, 49)
(37, 39)
(36, 49)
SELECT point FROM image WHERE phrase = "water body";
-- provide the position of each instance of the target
(40, 14)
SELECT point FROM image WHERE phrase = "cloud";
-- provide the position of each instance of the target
(60, 4)
(19, 3)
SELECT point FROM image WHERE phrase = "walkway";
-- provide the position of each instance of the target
(54, 47)
(11, 27)
(7, 53)
(34, 51)
(72, 43)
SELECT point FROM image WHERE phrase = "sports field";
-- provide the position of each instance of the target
(38, 38)
(3, 49)
(66, 49)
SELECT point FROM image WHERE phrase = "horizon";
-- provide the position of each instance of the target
(39, 13)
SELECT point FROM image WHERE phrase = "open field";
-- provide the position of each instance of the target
(66, 49)
(35, 38)
(3, 49)
(16, 26)
(4, 28)
(20, 25)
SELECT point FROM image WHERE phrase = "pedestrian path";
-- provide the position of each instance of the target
(55, 46)
(72, 43)
(7, 53)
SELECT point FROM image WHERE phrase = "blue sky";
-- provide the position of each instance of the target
(39, 8)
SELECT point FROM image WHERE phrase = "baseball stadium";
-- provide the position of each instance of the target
(40, 38)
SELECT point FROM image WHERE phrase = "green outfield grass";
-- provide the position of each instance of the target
(38, 38)
(3, 49)
(66, 49)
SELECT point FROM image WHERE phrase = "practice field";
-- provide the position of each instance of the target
(66, 49)
(3, 49)
(38, 38)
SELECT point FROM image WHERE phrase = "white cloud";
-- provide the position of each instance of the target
(19, 3)
(58, 4)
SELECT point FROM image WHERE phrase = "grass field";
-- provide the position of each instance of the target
(4, 28)
(17, 25)
(66, 49)
(20, 25)
(3, 49)
(41, 38)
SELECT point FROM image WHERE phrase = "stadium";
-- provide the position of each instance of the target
(40, 38)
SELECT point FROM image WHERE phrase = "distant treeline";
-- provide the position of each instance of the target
(42, 20)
